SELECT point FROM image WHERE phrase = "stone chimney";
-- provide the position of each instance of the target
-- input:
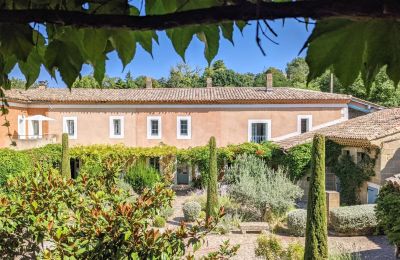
(42, 84)
(269, 80)
(149, 82)
(209, 83)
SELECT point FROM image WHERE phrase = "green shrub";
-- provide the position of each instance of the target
(269, 247)
(271, 193)
(295, 251)
(43, 207)
(202, 215)
(12, 163)
(141, 176)
(248, 164)
(388, 212)
(191, 210)
(296, 222)
(354, 220)
(166, 212)
(228, 223)
(230, 206)
(46, 157)
(316, 227)
(159, 222)
(297, 160)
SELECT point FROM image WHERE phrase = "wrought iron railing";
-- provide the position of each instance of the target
(258, 139)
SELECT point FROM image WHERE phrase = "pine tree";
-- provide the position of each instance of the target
(65, 163)
(316, 229)
(212, 189)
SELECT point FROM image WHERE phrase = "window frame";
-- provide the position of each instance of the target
(178, 127)
(149, 135)
(250, 122)
(65, 126)
(31, 134)
(111, 127)
(309, 125)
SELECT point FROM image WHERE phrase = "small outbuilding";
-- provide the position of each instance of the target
(376, 134)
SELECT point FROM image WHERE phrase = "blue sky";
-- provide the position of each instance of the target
(244, 56)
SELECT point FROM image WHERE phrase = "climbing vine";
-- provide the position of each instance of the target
(352, 176)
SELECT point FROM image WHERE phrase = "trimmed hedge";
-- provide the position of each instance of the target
(191, 210)
(354, 220)
(296, 222)
(11, 163)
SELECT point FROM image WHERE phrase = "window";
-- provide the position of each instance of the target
(70, 127)
(259, 131)
(304, 123)
(184, 127)
(154, 127)
(116, 127)
(34, 129)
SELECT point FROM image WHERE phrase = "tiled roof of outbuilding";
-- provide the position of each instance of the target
(214, 95)
(360, 130)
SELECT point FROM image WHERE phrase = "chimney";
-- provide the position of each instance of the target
(42, 84)
(209, 83)
(149, 82)
(269, 81)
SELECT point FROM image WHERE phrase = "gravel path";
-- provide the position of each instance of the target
(371, 248)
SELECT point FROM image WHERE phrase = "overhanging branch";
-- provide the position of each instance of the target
(314, 9)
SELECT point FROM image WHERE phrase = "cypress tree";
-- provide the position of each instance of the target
(212, 188)
(316, 246)
(65, 162)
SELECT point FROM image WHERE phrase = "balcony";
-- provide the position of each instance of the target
(24, 142)
(258, 139)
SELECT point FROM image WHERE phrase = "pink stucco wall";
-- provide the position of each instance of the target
(229, 126)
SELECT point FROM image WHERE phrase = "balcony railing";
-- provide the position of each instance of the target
(258, 139)
(33, 141)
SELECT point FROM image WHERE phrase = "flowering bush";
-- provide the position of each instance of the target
(296, 222)
(354, 220)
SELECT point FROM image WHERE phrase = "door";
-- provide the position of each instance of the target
(372, 194)
(183, 174)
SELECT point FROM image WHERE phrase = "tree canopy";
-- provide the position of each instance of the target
(347, 38)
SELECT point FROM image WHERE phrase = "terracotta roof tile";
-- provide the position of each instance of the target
(361, 129)
(216, 95)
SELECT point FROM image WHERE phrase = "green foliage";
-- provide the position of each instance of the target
(65, 161)
(141, 176)
(352, 176)
(269, 247)
(295, 251)
(388, 212)
(328, 46)
(245, 164)
(212, 184)
(297, 160)
(357, 220)
(159, 222)
(296, 222)
(46, 157)
(271, 192)
(191, 211)
(316, 228)
(94, 214)
(12, 163)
